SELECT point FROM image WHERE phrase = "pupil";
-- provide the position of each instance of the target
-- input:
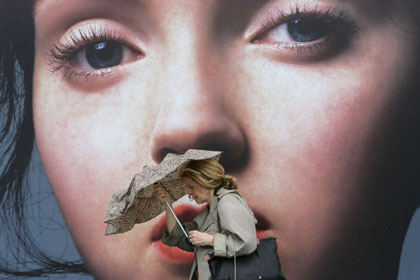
(104, 54)
(306, 30)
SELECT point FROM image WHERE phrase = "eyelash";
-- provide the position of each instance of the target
(61, 53)
(341, 28)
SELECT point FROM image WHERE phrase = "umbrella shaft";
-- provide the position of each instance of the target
(176, 219)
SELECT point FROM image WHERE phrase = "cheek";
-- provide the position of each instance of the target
(82, 148)
(91, 147)
(88, 139)
(85, 165)
(316, 129)
(317, 120)
(310, 131)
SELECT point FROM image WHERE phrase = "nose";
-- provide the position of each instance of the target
(195, 110)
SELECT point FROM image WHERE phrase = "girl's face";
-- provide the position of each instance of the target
(302, 95)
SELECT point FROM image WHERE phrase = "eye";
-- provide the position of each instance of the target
(301, 30)
(311, 33)
(94, 51)
(104, 54)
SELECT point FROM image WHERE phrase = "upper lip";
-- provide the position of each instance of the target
(186, 213)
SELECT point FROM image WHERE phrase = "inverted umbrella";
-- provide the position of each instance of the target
(137, 203)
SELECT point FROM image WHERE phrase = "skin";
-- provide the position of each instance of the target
(311, 136)
(201, 195)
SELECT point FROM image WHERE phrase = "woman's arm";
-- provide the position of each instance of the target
(162, 195)
(238, 233)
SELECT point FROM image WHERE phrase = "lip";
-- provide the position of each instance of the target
(263, 226)
(186, 213)
(174, 255)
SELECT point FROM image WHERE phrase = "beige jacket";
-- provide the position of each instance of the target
(236, 231)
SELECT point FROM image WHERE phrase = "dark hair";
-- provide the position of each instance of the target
(17, 138)
(17, 34)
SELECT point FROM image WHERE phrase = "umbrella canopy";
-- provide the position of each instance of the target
(137, 204)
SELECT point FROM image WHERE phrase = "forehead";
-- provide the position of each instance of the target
(189, 183)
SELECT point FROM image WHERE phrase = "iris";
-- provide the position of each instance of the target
(104, 54)
(306, 30)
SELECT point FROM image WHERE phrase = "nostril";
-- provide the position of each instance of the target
(211, 130)
(227, 160)
(162, 153)
(235, 154)
(233, 157)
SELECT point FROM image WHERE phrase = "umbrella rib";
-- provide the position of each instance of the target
(166, 189)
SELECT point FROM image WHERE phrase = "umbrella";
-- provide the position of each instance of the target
(137, 204)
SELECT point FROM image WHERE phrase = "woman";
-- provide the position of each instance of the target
(314, 103)
(226, 226)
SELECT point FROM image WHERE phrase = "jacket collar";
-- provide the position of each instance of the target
(219, 194)
(223, 191)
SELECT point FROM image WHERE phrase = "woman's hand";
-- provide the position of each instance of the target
(161, 194)
(200, 238)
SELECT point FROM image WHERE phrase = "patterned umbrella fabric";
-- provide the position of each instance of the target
(137, 204)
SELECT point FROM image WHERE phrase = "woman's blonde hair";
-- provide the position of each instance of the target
(208, 173)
